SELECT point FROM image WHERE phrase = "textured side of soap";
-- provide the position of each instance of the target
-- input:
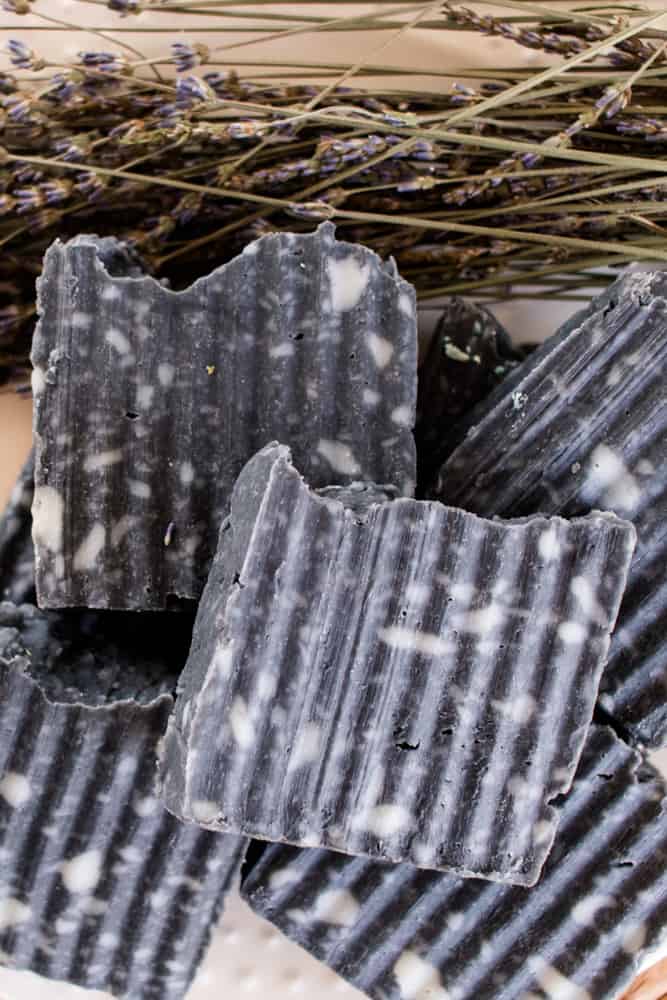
(149, 402)
(400, 934)
(99, 885)
(406, 681)
(17, 558)
(470, 353)
(583, 424)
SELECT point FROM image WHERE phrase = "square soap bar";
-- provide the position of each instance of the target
(397, 678)
(597, 914)
(148, 402)
(582, 424)
(99, 885)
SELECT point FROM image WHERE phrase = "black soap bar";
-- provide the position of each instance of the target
(17, 558)
(397, 679)
(470, 353)
(582, 424)
(397, 933)
(148, 402)
(101, 886)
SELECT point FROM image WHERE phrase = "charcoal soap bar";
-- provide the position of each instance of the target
(99, 885)
(397, 933)
(582, 424)
(148, 402)
(470, 353)
(17, 558)
(397, 679)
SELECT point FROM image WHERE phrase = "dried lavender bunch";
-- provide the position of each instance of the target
(489, 184)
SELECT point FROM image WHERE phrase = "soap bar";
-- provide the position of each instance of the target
(470, 353)
(397, 679)
(402, 934)
(99, 885)
(148, 402)
(582, 424)
(17, 560)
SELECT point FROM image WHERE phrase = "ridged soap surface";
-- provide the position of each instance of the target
(99, 885)
(17, 558)
(402, 680)
(148, 402)
(582, 425)
(402, 934)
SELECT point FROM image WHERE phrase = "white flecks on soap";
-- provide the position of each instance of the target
(117, 339)
(337, 907)
(402, 416)
(121, 528)
(518, 708)
(381, 349)
(241, 723)
(554, 983)
(187, 473)
(645, 467)
(15, 789)
(572, 633)
(145, 394)
(284, 350)
(417, 979)
(419, 642)
(339, 456)
(146, 806)
(406, 304)
(417, 593)
(82, 873)
(111, 293)
(586, 910)
(223, 659)
(103, 459)
(282, 878)
(548, 544)
(609, 479)
(13, 912)
(306, 747)
(388, 819)
(204, 811)
(37, 380)
(371, 397)
(48, 511)
(139, 489)
(484, 620)
(80, 320)
(166, 374)
(86, 555)
(348, 280)
(634, 939)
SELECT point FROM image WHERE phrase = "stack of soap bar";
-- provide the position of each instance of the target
(470, 353)
(99, 885)
(396, 933)
(17, 558)
(148, 402)
(397, 679)
(582, 425)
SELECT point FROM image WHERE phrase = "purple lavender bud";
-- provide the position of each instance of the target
(56, 191)
(190, 89)
(28, 199)
(530, 159)
(106, 62)
(18, 108)
(184, 56)
(90, 185)
(124, 7)
(20, 54)
(63, 88)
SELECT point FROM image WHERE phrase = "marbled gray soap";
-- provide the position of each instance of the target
(582, 424)
(470, 353)
(148, 402)
(396, 933)
(398, 679)
(99, 885)
(17, 557)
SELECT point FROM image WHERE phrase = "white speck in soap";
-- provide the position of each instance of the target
(483, 620)
(282, 878)
(381, 349)
(634, 939)
(15, 789)
(586, 910)
(241, 723)
(187, 473)
(121, 528)
(417, 979)
(223, 659)
(80, 320)
(48, 511)
(339, 456)
(37, 380)
(13, 912)
(571, 632)
(110, 293)
(117, 339)
(554, 983)
(348, 280)
(306, 747)
(645, 467)
(548, 544)
(285, 350)
(371, 397)
(406, 304)
(86, 555)
(139, 489)
(166, 374)
(103, 459)
(519, 708)
(387, 820)
(82, 873)
(145, 394)
(204, 811)
(609, 479)
(420, 642)
(147, 806)
(403, 416)
(337, 907)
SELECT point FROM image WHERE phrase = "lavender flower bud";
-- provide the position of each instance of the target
(186, 56)
(22, 56)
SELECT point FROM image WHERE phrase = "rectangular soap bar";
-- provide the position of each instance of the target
(397, 679)
(99, 885)
(582, 424)
(148, 402)
(17, 557)
(397, 933)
